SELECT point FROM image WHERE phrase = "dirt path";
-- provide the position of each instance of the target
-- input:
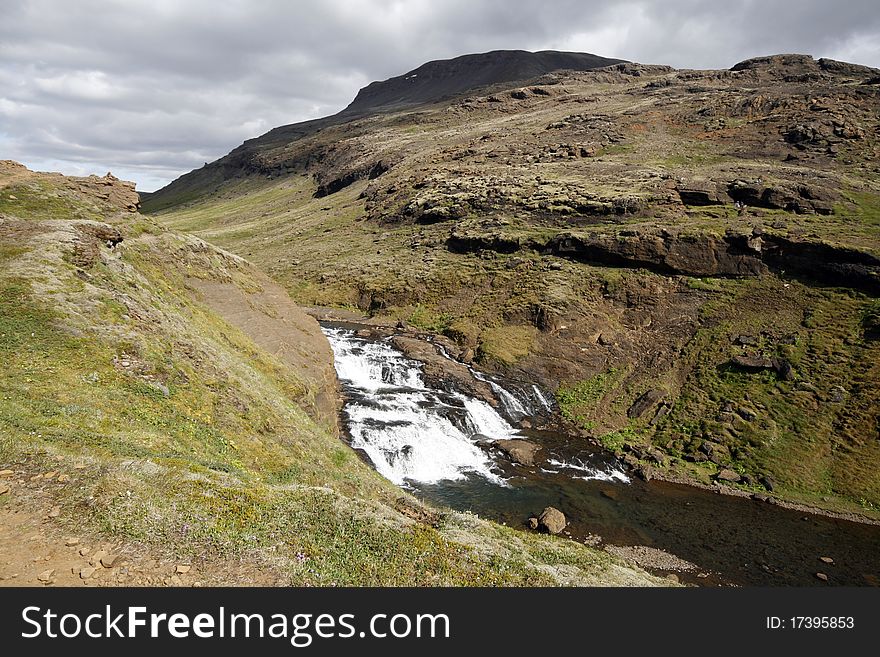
(39, 548)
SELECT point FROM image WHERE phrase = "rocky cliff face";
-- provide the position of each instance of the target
(698, 255)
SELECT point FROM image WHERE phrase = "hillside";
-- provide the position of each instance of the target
(690, 259)
(430, 83)
(446, 78)
(164, 399)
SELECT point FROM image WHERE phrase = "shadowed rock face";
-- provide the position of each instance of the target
(696, 255)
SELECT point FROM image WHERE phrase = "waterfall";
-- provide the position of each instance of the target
(542, 398)
(414, 434)
(409, 431)
(512, 406)
(516, 404)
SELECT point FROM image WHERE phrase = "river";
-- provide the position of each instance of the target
(422, 439)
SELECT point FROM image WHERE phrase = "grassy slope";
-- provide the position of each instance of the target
(191, 439)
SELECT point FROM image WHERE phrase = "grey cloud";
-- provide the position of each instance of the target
(152, 89)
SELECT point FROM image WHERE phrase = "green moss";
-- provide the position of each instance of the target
(616, 440)
(867, 207)
(464, 331)
(506, 344)
(428, 320)
(576, 399)
(41, 200)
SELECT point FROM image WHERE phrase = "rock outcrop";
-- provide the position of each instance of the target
(552, 520)
(518, 451)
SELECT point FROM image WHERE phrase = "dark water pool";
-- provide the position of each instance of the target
(733, 540)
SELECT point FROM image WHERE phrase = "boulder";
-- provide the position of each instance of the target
(728, 475)
(782, 367)
(767, 482)
(746, 414)
(551, 520)
(662, 411)
(483, 441)
(715, 452)
(518, 450)
(644, 402)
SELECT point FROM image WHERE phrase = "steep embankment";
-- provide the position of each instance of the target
(690, 258)
(167, 416)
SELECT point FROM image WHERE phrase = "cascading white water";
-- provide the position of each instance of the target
(586, 472)
(410, 432)
(414, 434)
(542, 398)
(512, 405)
(516, 406)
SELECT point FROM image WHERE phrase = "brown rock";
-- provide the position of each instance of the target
(70, 542)
(728, 475)
(827, 560)
(644, 402)
(752, 362)
(6, 473)
(518, 451)
(46, 576)
(86, 572)
(552, 520)
(55, 512)
(822, 576)
(533, 523)
(702, 194)
(108, 560)
(183, 569)
(4, 488)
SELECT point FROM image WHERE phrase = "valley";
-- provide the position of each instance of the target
(687, 259)
(630, 306)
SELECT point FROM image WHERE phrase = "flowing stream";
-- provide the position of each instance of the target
(416, 435)
(425, 439)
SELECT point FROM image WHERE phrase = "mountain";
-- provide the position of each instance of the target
(445, 78)
(433, 82)
(690, 259)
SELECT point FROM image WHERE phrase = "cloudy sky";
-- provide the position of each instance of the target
(150, 89)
